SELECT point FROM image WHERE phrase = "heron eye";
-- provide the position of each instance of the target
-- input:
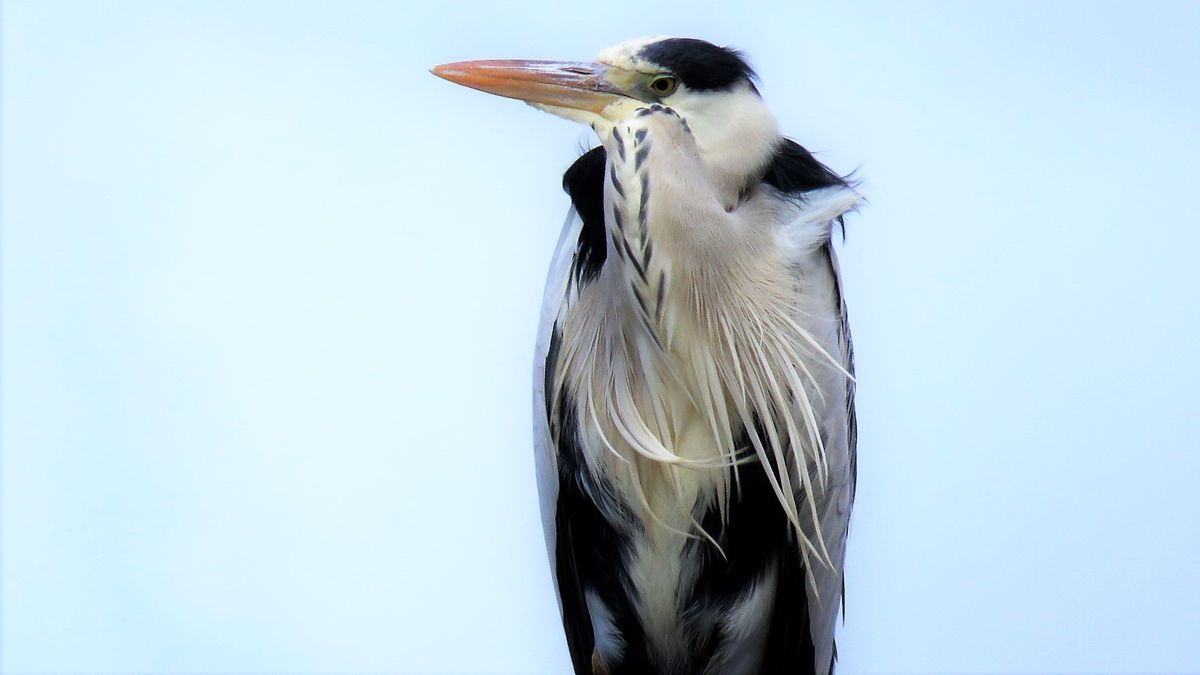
(664, 86)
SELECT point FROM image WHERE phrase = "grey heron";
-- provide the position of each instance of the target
(694, 389)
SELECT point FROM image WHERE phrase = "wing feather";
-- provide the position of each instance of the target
(808, 239)
(554, 303)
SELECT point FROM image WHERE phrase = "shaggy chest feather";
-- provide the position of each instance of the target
(659, 400)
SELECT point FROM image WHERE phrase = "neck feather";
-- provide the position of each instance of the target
(737, 136)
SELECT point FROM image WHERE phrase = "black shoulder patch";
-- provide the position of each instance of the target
(584, 182)
(700, 65)
(795, 171)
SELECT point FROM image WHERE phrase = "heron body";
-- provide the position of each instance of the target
(694, 397)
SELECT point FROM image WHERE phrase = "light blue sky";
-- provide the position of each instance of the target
(269, 295)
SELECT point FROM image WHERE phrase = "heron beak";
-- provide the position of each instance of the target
(558, 84)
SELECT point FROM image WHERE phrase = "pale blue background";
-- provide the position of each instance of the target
(269, 291)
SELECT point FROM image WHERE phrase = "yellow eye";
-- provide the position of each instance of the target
(663, 86)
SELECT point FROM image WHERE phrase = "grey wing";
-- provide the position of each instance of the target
(841, 440)
(816, 268)
(561, 503)
(554, 302)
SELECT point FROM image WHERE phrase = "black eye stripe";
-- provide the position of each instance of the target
(698, 65)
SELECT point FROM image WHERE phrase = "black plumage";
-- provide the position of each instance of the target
(584, 182)
(699, 65)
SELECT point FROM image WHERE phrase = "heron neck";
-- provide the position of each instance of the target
(736, 138)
